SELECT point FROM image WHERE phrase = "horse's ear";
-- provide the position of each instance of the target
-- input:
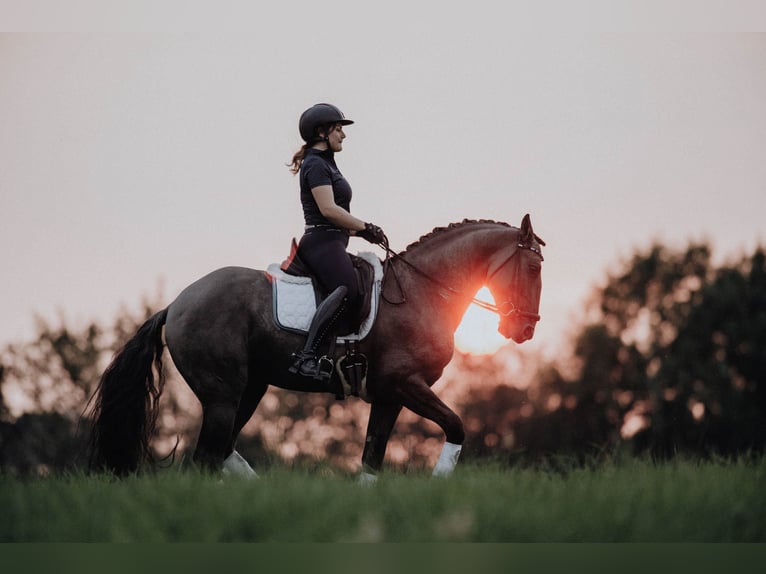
(527, 235)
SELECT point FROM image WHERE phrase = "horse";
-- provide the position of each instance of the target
(222, 336)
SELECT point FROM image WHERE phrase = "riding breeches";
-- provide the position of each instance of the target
(324, 251)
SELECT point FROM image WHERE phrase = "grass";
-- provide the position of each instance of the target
(633, 501)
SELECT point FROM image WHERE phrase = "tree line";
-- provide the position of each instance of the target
(669, 360)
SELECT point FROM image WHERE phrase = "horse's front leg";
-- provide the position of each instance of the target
(416, 395)
(382, 418)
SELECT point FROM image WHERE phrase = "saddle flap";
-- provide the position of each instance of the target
(365, 277)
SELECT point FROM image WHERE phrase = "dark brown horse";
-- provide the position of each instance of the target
(221, 334)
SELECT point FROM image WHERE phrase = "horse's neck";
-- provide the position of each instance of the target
(462, 260)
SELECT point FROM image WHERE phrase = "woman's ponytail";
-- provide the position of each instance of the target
(295, 164)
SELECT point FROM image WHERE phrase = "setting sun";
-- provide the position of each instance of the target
(477, 332)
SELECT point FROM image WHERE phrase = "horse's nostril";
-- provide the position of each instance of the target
(529, 332)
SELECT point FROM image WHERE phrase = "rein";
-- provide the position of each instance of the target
(513, 310)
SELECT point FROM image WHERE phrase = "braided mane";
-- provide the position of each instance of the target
(466, 222)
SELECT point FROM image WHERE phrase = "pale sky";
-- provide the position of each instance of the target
(129, 159)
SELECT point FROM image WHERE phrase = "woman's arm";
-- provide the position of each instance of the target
(334, 213)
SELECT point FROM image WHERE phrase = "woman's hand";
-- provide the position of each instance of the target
(373, 234)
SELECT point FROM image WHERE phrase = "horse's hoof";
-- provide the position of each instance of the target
(366, 479)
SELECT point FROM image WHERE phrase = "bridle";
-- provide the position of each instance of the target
(511, 311)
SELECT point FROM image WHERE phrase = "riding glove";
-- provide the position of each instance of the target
(373, 234)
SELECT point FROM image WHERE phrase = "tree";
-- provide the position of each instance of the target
(44, 388)
(716, 364)
(680, 343)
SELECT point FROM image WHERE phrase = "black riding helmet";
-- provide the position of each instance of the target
(319, 115)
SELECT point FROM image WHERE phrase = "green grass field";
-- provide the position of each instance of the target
(634, 501)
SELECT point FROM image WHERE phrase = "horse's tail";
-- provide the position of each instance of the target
(125, 405)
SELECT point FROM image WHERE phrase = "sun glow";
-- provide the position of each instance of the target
(477, 332)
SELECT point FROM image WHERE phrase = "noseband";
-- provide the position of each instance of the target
(512, 310)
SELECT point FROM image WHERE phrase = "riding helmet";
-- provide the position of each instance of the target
(319, 115)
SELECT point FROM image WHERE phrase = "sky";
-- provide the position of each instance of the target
(130, 161)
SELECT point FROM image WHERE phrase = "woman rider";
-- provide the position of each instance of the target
(326, 199)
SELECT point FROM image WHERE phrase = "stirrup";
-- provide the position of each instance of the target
(309, 365)
(325, 368)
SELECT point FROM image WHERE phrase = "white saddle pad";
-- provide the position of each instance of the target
(295, 303)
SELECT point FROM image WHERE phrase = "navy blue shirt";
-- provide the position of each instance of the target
(319, 168)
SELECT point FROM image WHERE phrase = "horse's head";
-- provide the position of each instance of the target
(515, 282)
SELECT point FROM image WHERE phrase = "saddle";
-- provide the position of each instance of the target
(297, 293)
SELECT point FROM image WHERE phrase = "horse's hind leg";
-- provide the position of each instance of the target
(250, 400)
(215, 441)
(234, 462)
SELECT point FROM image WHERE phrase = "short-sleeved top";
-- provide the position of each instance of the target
(319, 168)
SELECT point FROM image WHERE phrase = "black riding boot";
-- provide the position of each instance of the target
(328, 312)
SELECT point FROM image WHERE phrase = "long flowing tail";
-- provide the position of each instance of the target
(125, 405)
